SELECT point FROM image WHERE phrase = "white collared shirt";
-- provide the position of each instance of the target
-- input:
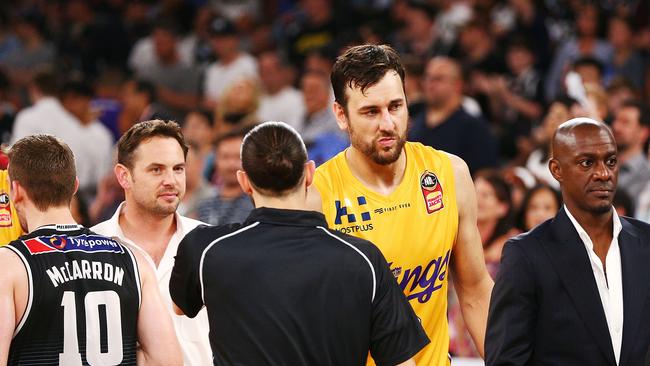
(610, 285)
(192, 333)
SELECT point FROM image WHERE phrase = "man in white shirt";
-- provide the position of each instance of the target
(280, 101)
(573, 291)
(151, 170)
(233, 64)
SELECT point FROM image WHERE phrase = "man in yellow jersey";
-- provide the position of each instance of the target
(10, 228)
(417, 204)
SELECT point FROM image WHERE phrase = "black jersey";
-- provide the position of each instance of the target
(84, 297)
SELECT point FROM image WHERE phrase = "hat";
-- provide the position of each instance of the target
(222, 27)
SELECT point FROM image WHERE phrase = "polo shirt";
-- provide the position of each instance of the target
(282, 289)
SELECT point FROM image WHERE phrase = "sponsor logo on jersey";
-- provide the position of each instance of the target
(345, 214)
(381, 210)
(5, 210)
(422, 281)
(431, 192)
(81, 243)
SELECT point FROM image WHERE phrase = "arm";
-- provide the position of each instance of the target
(156, 334)
(510, 329)
(472, 281)
(14, 285)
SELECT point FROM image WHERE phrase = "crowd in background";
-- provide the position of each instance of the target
(488, 80)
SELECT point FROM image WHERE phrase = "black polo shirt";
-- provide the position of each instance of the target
(282, 289)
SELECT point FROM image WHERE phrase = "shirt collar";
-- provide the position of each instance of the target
(287, 217)
(583, 234)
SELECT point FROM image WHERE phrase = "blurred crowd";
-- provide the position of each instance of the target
(488, 80)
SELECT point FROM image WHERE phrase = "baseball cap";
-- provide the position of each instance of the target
(222, 27)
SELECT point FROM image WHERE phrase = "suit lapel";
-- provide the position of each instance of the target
(635, 271)
(571, 261)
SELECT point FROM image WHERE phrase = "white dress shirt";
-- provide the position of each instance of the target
(610, 285)
(192, 333)
(219, 77)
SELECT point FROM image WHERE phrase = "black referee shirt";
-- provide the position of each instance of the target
(281, 289)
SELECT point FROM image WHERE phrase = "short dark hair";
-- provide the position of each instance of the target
(273, 156)
(44, 165)
(204, 113)
(644, 112)
(143, 86)
(77, 87)
(589, 61)
(46, 82)
(144, 131)
(362, 67)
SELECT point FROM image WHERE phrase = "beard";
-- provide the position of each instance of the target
(380, 156)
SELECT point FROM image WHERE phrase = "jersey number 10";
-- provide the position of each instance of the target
(94, 355)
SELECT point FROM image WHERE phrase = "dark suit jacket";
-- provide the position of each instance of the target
(545, 307)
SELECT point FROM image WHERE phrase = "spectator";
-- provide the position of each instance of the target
(618, 91)
(197, 188)
(7, 109)
(94, 159)
(237, 107)
(176, 83)
(314, 27)
(280, 101)
(631, 128)
(626, 61)
(139, 99)
(540, 204)
(230, 204)
(590, 70)
(232, 64)
(320, 131)
(420, 32)
(198, 130)
(585, 44)
(445, 125)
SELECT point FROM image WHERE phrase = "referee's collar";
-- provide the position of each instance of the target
(287, 217)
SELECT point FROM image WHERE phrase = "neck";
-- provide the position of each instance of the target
(595, 224)
(55, 215)
(381, 178)
(142, 226)
(228, 58)
(438, 114)
(293, 201)
(230, 191)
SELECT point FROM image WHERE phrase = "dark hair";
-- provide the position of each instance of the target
(521, 215)
(589, 61)
(144, 131)
(623, 200)
(502, 192)
(362, 67)
(46, 82)
(143, 86)
(77, 87)
(44, 165)
(205, 113)
(428, 10)
(274, 156)
(644, 112)
(238, 132)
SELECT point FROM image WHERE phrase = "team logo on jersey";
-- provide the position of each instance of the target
(422, 281)
(5, 210)
(82, 243)
(431, 191)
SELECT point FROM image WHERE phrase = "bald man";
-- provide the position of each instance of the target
(445, 124)
(574, 290)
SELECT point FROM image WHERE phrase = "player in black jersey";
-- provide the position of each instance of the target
(67, 295)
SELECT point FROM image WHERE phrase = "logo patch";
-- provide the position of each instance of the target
(431, 191)
(5, 210)
(82, 243)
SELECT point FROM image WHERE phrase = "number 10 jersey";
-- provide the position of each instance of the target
(84, 298)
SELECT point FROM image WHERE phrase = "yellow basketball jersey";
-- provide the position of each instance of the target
(9, 226)
(415, 227)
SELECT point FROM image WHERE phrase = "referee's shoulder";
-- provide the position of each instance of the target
(204, 233)
(363, 245)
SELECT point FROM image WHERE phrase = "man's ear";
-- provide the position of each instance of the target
(123, 176)
(16, 193)
(555, 169)
(76, 185)
(341, 116)
(244, 182)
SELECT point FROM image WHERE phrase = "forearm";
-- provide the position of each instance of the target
(474, 303)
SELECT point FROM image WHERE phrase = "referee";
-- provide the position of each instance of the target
(281, 288)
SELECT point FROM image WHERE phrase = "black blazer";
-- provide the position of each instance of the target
(545, 307)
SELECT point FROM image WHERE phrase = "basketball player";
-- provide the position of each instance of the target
(69, 296)
(417, 204)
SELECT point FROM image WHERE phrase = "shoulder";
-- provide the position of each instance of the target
(328, 169)
(531, 240)
(204, 234)
(363, 248)
(188, 224)
(636, 227)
